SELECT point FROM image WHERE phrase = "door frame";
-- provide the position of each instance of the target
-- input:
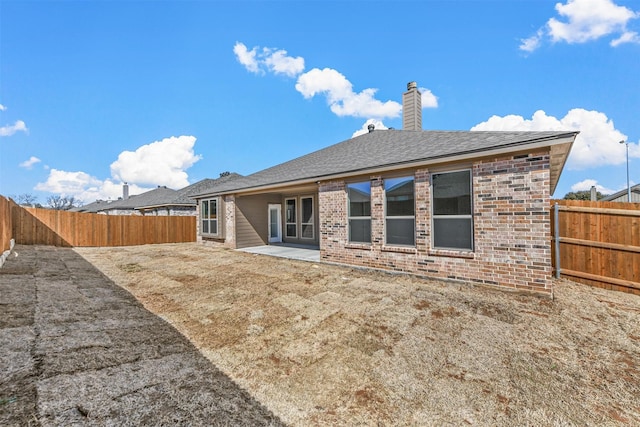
(278, 208)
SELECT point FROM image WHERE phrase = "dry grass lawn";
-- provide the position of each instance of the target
(327, 345)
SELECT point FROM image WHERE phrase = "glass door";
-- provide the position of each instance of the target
(275, 221)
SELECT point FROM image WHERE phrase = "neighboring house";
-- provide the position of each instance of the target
(161, 201)
(623, 196)
(93, 207)
(472, 206)
(130, 205)
(181, 203)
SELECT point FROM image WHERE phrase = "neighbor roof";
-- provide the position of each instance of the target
(183, 197)
(91, 207)
(634, 189)
(386, 149)
(155, 197)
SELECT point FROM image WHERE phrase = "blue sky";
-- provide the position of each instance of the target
(96, 93)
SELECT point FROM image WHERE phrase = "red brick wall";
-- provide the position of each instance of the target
(511, 227)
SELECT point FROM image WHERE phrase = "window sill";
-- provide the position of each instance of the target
(400, 249)
(363, 246)
(451, 253)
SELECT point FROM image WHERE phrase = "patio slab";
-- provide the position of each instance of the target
(299, 252)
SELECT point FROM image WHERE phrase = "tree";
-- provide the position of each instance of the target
(26, 200)
(61, 203)
(582, 195)
(223, 174)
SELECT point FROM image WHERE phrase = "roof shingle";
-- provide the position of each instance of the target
(385, 148)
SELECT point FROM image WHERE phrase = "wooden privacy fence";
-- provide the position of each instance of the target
(5, 223)
(597, 243)
(34, 226)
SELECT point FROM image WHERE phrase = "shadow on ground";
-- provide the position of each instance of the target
(77, 349)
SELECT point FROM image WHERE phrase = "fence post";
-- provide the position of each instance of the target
(556, 232)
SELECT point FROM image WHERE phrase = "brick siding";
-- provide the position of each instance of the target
(511, 219)
(226, 222)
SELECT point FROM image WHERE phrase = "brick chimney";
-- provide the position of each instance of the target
(412, 108)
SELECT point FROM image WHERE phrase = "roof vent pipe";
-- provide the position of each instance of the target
(371, 127)
(125, 191)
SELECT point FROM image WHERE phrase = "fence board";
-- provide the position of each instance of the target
(62, 228)
(6, 223)
(600, 243)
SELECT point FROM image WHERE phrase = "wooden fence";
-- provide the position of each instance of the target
(34, 226)
(598, 242)
(6, 233)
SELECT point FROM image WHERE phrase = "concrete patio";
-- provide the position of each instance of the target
(299, 252)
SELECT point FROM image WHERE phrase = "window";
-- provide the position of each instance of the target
(209, 217)
(400, 211)
(452, 210)
(359, 195)
(307, 217)
(291, 226)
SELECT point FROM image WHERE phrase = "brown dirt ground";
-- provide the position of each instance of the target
(78, 350)
(326, 345)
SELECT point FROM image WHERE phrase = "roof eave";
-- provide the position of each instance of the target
(164, 205)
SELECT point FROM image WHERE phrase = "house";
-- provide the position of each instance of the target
(161, 201)
(471, 206)
(131, 205)
(181, 202)
(623, 196)
(92, 207)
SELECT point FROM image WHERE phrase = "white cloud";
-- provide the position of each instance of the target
(84, 187)
(159, 163)
(596, 145)
(28, 164)
(581, 21)
(276, 61)
(429, 100)
(3, 108)
(586, 185)
(365, 127)
(68, 183)
(532, 43)
(18, 126)
(279, 63)
(627, 37)
(246, 57)
(342, 100)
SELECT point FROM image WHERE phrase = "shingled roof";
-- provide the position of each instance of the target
(155, 197)
(183, 197)
(387, 149)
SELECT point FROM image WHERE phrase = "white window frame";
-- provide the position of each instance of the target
(287, 221)
(209, 220)
(312, 223)
(357, 218)
(466, 216)
(387, 217)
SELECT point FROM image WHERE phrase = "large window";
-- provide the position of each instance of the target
(209, 217)
(307, 217)
(359, 212)
(291, 226)
(400, 211)
(452, 210)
